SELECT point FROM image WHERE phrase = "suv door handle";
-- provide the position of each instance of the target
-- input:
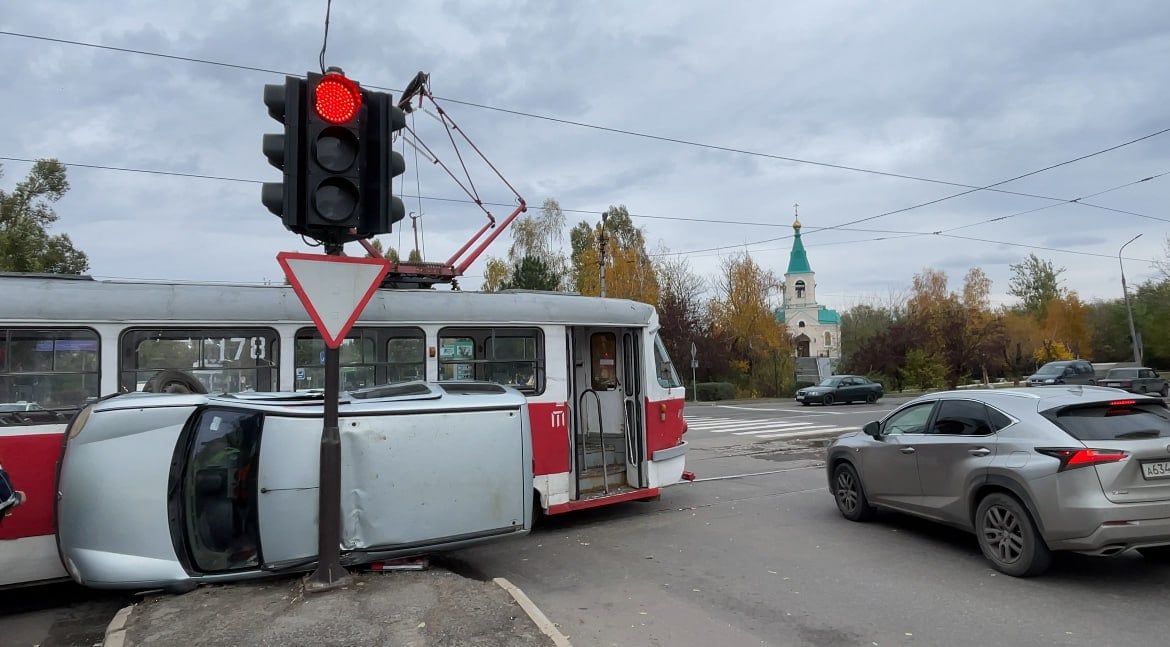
(907, 450)
(979, 451)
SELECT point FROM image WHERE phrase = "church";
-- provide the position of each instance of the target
(815, 329)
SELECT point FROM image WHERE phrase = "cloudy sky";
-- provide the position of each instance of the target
(766, 99)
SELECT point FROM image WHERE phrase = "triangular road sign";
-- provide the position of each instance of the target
(334, 289)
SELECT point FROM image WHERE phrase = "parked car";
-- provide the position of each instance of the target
(6, 407)
(170, 490)
(1072, 371)
(840, 388)
(1136, 380)
(1029, 471)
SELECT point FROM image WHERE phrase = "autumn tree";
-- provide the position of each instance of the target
(961, 333)
(742, 315)
(1036, 283)
(26, 214)
(535, 260)
(683, 316)
(629, 271)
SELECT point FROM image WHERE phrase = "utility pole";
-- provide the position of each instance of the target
(1137, 350)
(414, 225)
(604, 216)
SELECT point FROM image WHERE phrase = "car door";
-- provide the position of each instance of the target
(889, 465)
(953, 455)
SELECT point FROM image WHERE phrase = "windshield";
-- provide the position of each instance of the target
(1122, 420)
(830, 381)
(1050, 369)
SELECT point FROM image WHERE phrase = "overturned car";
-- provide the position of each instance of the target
(172, 490)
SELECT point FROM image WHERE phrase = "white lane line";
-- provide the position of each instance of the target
(765, 426)
(808, 433)
(781, 431)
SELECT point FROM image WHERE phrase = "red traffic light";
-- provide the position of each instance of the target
(337, 99)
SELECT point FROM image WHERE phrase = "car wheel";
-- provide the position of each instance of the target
(1156, 553)
(870, 398)
(827, 400)
(173, 381)
(1008, 537)
(850, 495)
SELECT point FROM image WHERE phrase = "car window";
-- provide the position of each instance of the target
(911, 420)
(999, 420)
(1122, 420)
(961, 418)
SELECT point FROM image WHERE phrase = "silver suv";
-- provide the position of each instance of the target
(1029, 471)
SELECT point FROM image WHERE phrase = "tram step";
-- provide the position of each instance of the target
(593, 478)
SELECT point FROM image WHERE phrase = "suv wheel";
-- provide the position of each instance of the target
(1008, 537)
(850, 495)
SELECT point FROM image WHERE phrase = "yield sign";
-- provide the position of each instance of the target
(334, 289)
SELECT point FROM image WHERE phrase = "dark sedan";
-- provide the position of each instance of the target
(840, 388)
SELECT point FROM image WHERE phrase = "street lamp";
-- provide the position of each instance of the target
(1137, 352)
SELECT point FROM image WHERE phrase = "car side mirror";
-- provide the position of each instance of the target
(872, 429)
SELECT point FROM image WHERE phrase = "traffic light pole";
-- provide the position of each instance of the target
(330, 574)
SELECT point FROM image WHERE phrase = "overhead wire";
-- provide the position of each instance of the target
(570, 122)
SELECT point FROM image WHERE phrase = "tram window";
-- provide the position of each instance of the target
(369, 356)
(511, 356)
(603, 360)
(48, 369)
(663, 367)
(225, 360)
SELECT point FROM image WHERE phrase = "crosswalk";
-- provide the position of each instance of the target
(762, 428)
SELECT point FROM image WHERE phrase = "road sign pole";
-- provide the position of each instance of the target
(330, 574)
(694, 365)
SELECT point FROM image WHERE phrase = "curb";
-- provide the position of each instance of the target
(116, 630)
(542, 622)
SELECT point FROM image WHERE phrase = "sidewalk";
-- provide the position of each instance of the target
(429, 608)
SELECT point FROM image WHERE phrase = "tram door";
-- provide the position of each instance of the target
(609, 436)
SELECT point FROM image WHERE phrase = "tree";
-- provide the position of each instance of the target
(741, 314)
(389, 253)
(531, 273)
(630, 274)
(25, 217)
(683, 316)
(1036, 283)
(961, 332)
(537, 237)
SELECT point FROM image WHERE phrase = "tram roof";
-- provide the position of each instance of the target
(29, 298)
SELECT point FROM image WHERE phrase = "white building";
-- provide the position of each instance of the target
(815, 328)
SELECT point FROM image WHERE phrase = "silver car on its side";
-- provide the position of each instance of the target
(1029, 471)
(173, 490)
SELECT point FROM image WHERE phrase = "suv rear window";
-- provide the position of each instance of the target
(1107, 421)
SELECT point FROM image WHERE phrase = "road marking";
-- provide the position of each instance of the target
(811, 432)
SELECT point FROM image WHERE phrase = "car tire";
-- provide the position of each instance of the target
(827, 400)
(173, 381)
(1008, 537)
(850, 495)
(870, 398)
(1156, 553)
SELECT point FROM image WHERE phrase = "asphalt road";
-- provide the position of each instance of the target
(767, 560)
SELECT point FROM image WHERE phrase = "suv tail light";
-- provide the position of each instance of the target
(1072, 458)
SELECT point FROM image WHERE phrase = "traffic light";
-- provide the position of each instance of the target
(285, 103)
(380, 208)
(337, 156)
(333, 159)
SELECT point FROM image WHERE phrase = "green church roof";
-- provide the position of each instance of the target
(798, 259)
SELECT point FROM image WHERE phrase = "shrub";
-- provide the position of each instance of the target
(711, 391)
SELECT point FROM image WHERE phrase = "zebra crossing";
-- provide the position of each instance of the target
(762, 428)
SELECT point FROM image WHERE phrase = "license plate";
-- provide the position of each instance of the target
(799, 396)
(1156, 470)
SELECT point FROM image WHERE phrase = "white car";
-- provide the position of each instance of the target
(171, 490)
